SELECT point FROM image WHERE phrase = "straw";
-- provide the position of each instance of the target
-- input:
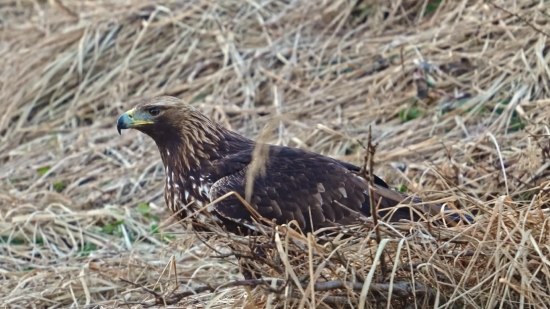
(455, 93)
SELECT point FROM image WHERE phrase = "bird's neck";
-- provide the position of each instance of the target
(189, 153)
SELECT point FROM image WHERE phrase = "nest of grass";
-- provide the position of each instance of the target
(455, 94)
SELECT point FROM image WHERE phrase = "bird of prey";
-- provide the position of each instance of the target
(203, 161)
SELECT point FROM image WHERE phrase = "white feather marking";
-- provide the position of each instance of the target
(343, 191)
(320, 188)
(168, 181)
(319, 198)
(186, 195)
(175, 202)
(177, 185)
(167, 152)
(205, 189)
(205, 218)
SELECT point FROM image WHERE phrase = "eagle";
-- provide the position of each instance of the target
(204, 161)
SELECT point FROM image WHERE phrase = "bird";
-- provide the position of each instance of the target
(204, 161)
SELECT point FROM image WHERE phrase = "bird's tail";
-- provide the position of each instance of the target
(395, 206)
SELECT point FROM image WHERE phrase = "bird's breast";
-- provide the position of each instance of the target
(187, 194)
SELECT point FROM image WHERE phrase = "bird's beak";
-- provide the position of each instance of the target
(128, 121)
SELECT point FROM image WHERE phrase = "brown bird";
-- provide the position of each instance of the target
(203, 161)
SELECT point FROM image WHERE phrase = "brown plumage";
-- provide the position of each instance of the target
(204, 161)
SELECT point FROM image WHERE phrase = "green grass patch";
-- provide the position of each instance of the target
(432, 6)
(145, 210)
(58, 186)
(516, 122)
(43, 170)
(20, 240)
(113, 228)
(12, 241)
(361, 11)
(163, 237)
(87, 249)
(408, 114)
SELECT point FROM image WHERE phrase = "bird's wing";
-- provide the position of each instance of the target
(303, 186)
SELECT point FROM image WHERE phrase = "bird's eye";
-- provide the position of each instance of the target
(154, 111)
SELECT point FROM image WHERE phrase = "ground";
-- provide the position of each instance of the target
(455, 93)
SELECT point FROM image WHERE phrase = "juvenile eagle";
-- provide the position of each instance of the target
(203, 161)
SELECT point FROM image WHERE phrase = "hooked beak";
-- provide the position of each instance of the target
(128, 121)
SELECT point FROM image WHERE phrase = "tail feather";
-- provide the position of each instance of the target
(398, 206)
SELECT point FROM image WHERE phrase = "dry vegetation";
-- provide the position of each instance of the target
(455, 92)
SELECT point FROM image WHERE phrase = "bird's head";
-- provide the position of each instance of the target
(176, 126)
(163, 118)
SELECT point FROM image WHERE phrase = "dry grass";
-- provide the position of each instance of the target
(456, 98)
